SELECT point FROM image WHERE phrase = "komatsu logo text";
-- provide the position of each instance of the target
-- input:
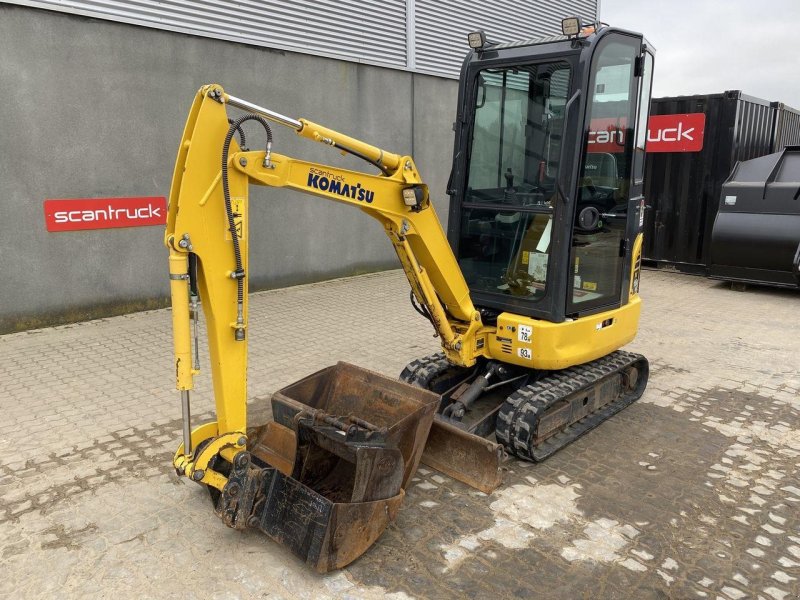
(336, 184)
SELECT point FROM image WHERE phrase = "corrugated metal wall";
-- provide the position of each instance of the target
(371, 31)
(753, 127)
(442, 26)
(787, 126)
(428, 36)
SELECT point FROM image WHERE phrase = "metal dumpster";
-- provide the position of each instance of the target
(756, 234)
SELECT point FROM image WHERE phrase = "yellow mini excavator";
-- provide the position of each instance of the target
(532, 292)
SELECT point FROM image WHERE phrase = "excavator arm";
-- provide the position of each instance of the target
(208, 240)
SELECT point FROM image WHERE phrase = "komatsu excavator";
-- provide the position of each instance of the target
(532, 292)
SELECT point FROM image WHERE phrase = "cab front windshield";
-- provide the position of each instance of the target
(506, 216)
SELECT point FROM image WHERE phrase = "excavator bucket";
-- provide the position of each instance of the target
(450, 447)
(327, 476)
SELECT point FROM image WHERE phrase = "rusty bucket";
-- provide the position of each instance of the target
(328, 475)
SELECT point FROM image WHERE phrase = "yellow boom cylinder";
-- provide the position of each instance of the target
(179, 291)
(318, 133)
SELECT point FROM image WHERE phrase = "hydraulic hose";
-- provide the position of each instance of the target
(420, 308)
(242, 139)
(238, 274)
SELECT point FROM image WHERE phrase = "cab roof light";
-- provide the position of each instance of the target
(571, 26)
(476, 39)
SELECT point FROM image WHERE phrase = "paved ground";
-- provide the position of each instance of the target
(694, 491)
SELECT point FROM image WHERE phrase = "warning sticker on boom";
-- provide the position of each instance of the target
(237, 207)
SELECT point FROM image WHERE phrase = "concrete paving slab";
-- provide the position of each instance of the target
(692, 492)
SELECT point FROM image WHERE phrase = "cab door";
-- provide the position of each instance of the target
(610, 175)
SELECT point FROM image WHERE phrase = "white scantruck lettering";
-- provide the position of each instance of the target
(671, 134)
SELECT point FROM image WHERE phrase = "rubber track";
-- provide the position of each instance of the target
(516, 421)
(422, 371)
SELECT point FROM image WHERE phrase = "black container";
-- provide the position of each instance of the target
(756, 235)
(683, 189)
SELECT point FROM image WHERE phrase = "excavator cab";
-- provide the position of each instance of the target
(546, 187)
(546, 211)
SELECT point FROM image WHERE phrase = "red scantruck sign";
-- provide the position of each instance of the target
(104, 213)
(676, 133)
(665, 133)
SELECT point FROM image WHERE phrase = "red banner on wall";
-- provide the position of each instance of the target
(103, 213)
(676, 133)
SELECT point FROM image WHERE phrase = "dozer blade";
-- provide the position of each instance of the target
(460, 448)
(464, 456)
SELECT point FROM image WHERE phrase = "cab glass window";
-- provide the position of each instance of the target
(604, 186)
(515, 149)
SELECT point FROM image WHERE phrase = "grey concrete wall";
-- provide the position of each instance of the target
(96, 109)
